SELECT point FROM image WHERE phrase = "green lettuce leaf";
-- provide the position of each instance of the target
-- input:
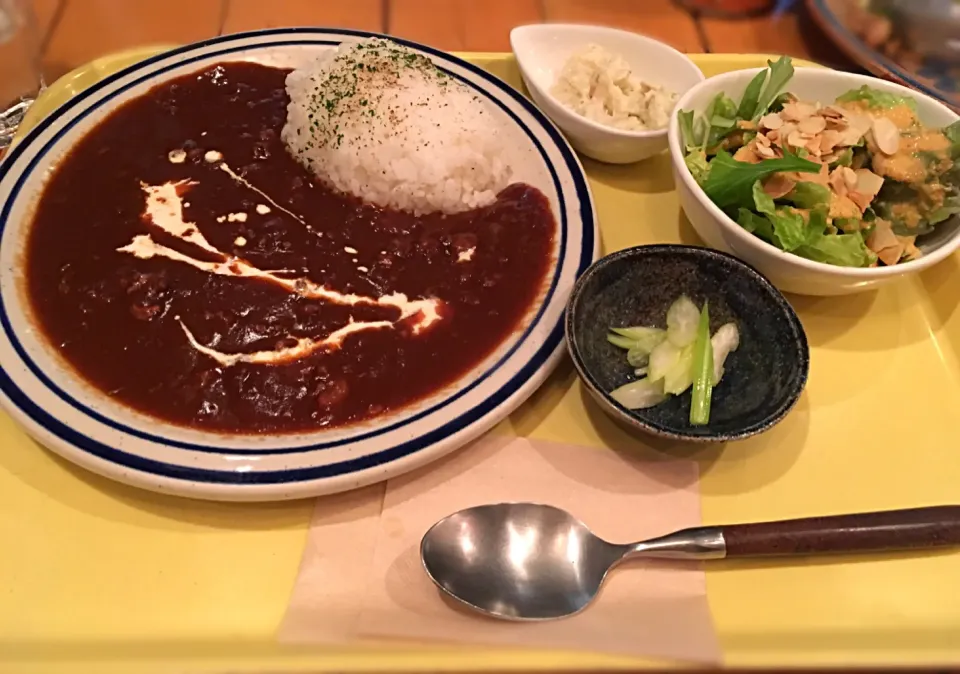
(809, 195)
(950, 207)
(844, 250)
(952, 133)
(687, 134)
(730, 182)
(698, 166)
(874, 98)
(790, 230)
(755, 224)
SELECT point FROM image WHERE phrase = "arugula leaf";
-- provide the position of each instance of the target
(874, 98)
(809, 195)
(779, 102)
(844, 250)
(755, 224)
(952, 133)
(730, 183)
(698, 166)
(780, 74)
(748, 104)
(725, 106)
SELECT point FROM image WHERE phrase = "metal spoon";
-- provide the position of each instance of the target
(524, 561)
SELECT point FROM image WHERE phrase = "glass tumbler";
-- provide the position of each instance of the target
(21, 79)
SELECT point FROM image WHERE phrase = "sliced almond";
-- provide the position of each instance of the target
(771, 121)
(813, 125)
(797, 111)
(813, 146)
(779, 185)
(796, 139)
(763, 140)
(829, 140)
(747, 155)
(746, 124)
(861, 200)
(838, 184)
(861, 123)
(886, 135)
(868, 182)
(850, 136)
(766, 151)
(849, 176)
(833, 111)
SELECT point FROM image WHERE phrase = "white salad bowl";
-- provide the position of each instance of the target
(789, 272)
(543, 49)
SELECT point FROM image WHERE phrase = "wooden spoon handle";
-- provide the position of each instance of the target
(864, 532)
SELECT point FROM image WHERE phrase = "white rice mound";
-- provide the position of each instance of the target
(379, 121)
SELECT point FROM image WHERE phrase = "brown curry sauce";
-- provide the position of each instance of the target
(115, 318)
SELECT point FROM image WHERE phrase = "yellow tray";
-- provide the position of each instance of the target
(99, 577)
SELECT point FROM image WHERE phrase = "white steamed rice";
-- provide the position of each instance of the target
(379, 121)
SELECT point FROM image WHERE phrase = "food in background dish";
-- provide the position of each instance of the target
(203, 275)
(599, 85)
(670, 361)
(851, 183)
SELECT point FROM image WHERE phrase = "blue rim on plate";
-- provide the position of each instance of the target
(581, 250)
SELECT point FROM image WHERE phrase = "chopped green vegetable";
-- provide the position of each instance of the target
(724, 341)
(669, 368)
(662, 359)
(621, 341)
(638, 357)
(639, 394)
(682, 318)
(639, 342)
(702, 371)
(642, 334)
(680, 376)
(730, 182)
(874, 98)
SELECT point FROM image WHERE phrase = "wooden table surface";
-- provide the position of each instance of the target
(76, 31)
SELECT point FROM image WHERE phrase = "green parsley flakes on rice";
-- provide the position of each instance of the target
(380, 121)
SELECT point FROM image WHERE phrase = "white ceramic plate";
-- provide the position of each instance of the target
(82, 424)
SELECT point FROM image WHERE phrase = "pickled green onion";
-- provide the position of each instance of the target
(702, 371)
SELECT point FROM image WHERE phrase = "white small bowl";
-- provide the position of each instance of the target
(543, 49)
(789, 272)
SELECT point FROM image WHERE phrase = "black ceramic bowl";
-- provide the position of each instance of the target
(762, 379)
